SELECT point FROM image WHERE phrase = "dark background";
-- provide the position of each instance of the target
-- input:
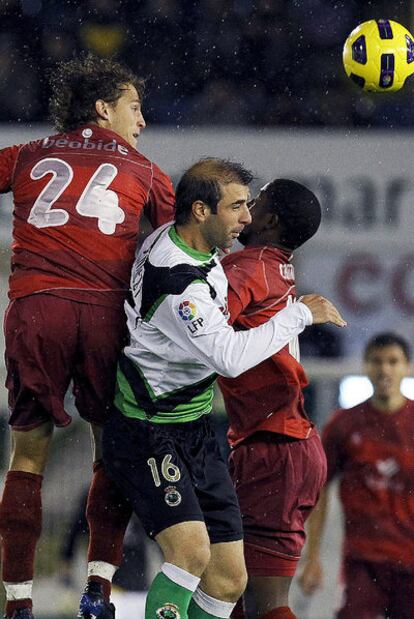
(207, 62)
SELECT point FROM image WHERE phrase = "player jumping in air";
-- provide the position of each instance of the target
(277, 462)
(78, 198)
(160, 447)
(371, 448)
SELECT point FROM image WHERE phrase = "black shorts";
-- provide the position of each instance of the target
(172, 473)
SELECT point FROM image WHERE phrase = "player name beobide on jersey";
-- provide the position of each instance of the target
(85, 144)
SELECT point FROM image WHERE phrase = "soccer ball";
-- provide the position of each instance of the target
(379, 55)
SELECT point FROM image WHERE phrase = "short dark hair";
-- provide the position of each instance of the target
(381, 340)
(203, 182)
(298, 209)
(77, 84)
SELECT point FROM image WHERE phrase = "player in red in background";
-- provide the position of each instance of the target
(277, 461)
(371, 448)
(78, 199)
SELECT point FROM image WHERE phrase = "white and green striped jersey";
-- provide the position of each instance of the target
(179, 335)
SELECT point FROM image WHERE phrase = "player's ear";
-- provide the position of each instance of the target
(102, 109)
(200, 210)
(271, 221)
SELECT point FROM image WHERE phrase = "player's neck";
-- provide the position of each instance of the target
(191, 236)
(263, 242)
(388, 405)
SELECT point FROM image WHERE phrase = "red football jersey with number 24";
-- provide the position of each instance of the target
(78, 199)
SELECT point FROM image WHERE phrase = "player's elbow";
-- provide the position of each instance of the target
(228, 358)
(230, 370)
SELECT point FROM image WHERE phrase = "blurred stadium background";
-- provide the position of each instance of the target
(262, 82)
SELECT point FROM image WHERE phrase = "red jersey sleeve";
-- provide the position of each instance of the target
(235, 305)
(247, 284)
(333, 436)
(8, 158)
(160, 209)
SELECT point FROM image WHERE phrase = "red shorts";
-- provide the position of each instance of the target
(278, 480)
(375, 590)
(52, 341)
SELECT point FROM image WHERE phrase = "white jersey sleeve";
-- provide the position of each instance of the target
(195, 323)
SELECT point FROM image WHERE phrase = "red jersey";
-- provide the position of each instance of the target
(269, 396)
(374, 454)
(78, 199)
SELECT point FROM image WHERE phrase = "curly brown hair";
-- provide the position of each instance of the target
(78, 83)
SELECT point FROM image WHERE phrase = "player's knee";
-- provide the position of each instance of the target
(239, 584)
(30, 457)
(231, 586)
(190, 556)
(186, 545)
(197, 558)
(30, 449)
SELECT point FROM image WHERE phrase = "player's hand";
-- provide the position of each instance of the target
(311, 577)
(323, 310)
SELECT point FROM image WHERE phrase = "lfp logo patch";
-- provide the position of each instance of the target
(187, 310)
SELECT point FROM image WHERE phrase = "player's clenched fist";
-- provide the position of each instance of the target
(323, 310)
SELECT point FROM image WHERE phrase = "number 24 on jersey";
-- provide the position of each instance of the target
(96, 199)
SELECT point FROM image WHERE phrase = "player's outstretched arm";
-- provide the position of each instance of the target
(229, 353)
(323, 310)
(311, 575)
(208, 336)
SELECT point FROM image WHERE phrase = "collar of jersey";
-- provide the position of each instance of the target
(106, 132)
(194, 253)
